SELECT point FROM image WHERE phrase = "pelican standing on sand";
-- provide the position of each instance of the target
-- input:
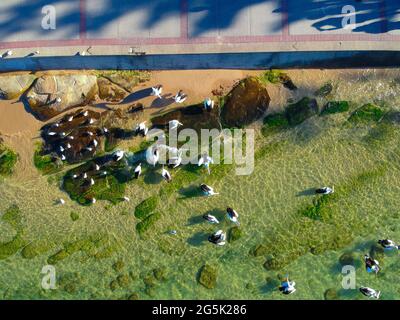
(138, 171)
(166, 175)
(180, 97)
(174, 124)
(207, 190)
(157, 90)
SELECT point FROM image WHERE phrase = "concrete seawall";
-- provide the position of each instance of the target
(253, 60)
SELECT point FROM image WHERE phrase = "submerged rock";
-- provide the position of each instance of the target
(193, 117)
(208, 276)
(13, 86)
(335, 107)
(53, 94)
(235, 233)
(347, 258)
(331, 294)
(366, 114)
(247, 102)
(109, 91)
(325, 90)
(300, 111)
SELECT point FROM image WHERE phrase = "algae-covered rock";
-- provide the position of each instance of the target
(278, 76)
(123, 280)
(74, 216)
(325, 90)
(194, 117)
(12, 86)
(274, 123)
(133, 296)
(146, 207)
(259, 250)
(335, 107)
(128, 79)
(208, 276)
(347, 258)
(273, 263)
(119, 265)
(235, 233)
(109, 91)
(51, 95)
(300, 111)
(377, 252)
(143, 226)
(8, 159)
(247, 102)
(36, 248)
(161, 273)
(331, 294)
(366, 114)
(114, 285)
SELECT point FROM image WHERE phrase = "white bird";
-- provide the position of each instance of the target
(86, 113)
(51, 133)
(91, 121)
(93, 200)
(68, 146)
(61, 201)
(207, 190)
(118, 155)
(141, 128)
(205, 160)
(105, 130)
(55, 125)
(176, 161)
(127, 199)
(91, 181)
(180, 97)
(174, 124)
(152, 156)
(166, 175)
(138, 171)
(70, 137)
(61, 149)
(95, 143)
(90, 133)
(97, 167)
(89, 149)
(210, 218)
(8, 53)
(58, 100)
(208, 104)
(85, 175)
(63, 158)
(63, 134)
(156, 91)
(232, 215)
(104, 173)
(70, 118)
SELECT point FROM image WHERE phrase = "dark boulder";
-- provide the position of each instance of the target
(300, 111)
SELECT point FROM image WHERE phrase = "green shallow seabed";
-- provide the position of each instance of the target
(103, 256)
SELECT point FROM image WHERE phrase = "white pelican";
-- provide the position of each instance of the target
(166, 175)
(156, 91)
(138, 171)
(218, 238)
(210, 218)
(174, 124)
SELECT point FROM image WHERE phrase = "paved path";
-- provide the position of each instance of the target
(193, 26)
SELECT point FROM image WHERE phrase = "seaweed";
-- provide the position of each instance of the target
(146, 207)
(208, 276)
(333, 107)
(366, 114)
(45, 162)
(274, 123)
(36, 248)
(8, 159)
(143, 226)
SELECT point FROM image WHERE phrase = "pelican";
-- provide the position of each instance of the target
(63, 134)
(157, 90)
(218, 238)
(152, 156)
(174, 124)
(90, 133)
(61, 201)
(91, 181)
(91, 121)
(180, 97)
(85, 175)
(388, 244)
(68, 146)
(51, 133)
(86, 113)
(371, 265)
(207, 190)
(70, 137)
(8, 53)
(232, 215)
(205, 160)
(93, 200)
(325, 190)
(287, 287)
(208, 104)
(118, 155)
(89, 149)
(97, 167)
(105, 130)
(95, 143)
(370, 293)
(141, 129)
(61, 149)
(58, 100)
(75, 176)
(63, 158)
(70, 118)
(126, 199)
(176, 161)
(166, 175)
(138, 171)
(210, 218)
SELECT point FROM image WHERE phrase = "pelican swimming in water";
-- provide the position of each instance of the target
(174, 124)
(232, 215)
(141, 129)
(388, 244)
(205, 160)
(325, 190)
(157, 90)
(371, 265)
(138, 171)
(166, 175)
(118, 155)
(207, 190)
(210, 218)
(208, 104)
(370, 293)
(180, 97)
(218, 238)
(287, 287)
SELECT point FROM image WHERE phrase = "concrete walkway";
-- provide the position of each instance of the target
(114, 27)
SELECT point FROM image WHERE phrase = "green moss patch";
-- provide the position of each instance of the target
(300, 111)
(74, 216)
(143, 226)
(366, 114)
(36, 248)
(8, 159)
(320, 209)
(325, 90)
(12, 216)
(234, 234)
(274, 122)
(44, 162)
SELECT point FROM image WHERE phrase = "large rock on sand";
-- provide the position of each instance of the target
(109, 91)
(54, 94)
(247, 102)
(12, 86)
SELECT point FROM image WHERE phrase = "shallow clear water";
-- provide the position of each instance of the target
(321, 151)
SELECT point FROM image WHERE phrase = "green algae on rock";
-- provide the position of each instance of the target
(347, 258)
(208, 276)
(12, 216)
(36, 248)
(331, 294)
(161, 274)
(8, 159)
(300, 111)
(274, 123)
(366, 114)
(247, 102)
(335, 107)
(146, 207)
(143, 226)
(234, 234)
(74, 216)
(325, 90)
(278, 76)
(45, 163)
